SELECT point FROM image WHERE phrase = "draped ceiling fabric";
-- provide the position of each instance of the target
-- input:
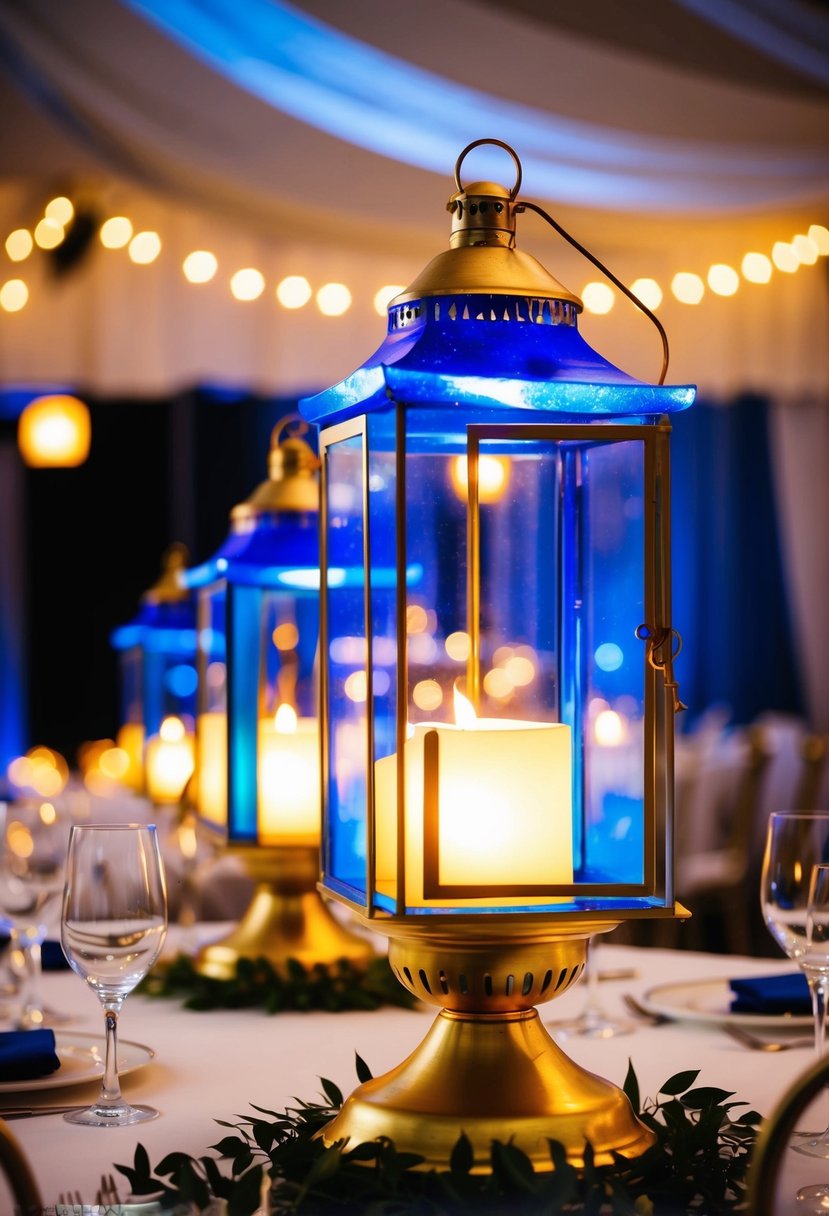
(319, 137)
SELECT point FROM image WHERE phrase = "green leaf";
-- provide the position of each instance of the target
(363, 1071)
(331, 1092)
(679, 1082)
(230, 1146)
(631, 1087)
(244, 1200)
(462, 1157)
(705, 1095)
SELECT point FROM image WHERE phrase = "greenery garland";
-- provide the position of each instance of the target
(257, 984)
(697, 1167)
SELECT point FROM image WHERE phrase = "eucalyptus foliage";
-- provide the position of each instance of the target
(697, 1167)
(257, 984)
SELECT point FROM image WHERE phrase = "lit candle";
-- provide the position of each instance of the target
(505, 808)
(289, 779)
(211, 771)
(169, 761)
(130, 737)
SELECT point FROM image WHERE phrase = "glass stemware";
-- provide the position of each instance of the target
(33, 839)
(113, 926)
(796, 843)
(593, 1022)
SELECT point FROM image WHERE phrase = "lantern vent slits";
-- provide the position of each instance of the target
(510, 309)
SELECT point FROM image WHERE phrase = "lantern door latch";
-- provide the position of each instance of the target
(663, 646)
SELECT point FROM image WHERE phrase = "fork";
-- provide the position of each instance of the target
(645, 1015)
(754, 1043)
(107, 1195)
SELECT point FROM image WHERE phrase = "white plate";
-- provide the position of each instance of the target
(82, 1059)
(710, 1001)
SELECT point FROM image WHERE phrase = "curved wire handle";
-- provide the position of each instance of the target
(523, 205)
(498, 143)
(655, 639)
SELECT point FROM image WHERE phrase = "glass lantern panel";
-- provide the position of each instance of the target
(211, 717)
(345, 691)
(274, 735)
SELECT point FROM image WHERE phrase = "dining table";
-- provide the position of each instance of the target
(200, 1067)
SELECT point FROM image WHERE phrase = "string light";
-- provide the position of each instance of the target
(247, 284)
(19, 244)
(144, 248)
(13, 295)
(597, 298)
(294, 291)
(334, 299)
(116, 232)
(687, 287)
(200, 266)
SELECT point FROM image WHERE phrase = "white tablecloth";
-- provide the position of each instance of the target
(213, 1065)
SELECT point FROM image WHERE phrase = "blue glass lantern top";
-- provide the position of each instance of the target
(487, 325)
(166, 619)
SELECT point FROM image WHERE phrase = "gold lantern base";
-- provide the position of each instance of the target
(487, 1067)
(286, 918)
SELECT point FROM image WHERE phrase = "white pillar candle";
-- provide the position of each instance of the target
(211, 770)
(505, 809)
(169, 762)
(288, 779)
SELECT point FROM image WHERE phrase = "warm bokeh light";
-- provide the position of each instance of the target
(598, 298)
(294, 291)
(756, 268)
(285, 719)
(520, 670)
(200, 266)
(806, 249)
(648, 291)
(144, 248)
(60, 210)
(784, 257)
(48, 234)
(19, 244)
(47, 813)
(172, 729)
(54, 433)
(723, 279)
(609, 728)
(458, 646)
(114, 762)
(384, 297)
(687, 287)
(493, 477)
(115, 232)
(820, 236)
(285, 637)
(14, 295)
(427, 695)
(42, 770)
(333, 299)
(247, 284)
(417, 618)
(356, 686)
(497, 684)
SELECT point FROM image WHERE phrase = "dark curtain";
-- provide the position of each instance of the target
(729, 595)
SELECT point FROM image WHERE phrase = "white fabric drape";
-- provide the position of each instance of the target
(800, 450)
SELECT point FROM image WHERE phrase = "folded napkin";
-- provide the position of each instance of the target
(52, 957)
(27, 1054)
(787, 993)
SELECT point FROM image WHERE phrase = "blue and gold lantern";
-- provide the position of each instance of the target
(157, 679)
(257, 731)
(495, 556)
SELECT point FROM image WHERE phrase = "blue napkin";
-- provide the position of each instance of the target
(773, 994)
(27, 1054)
(52, 957)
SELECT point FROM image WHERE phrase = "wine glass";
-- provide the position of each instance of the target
(33, 839)
(113, 926)
(594, 1022)
(796, 843)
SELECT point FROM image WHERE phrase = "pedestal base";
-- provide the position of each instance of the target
(491, 1076)
(286, 919)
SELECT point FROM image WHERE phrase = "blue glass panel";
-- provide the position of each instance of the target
(243, 635)
(346, 839)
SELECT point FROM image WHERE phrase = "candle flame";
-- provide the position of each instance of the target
(172, 730)
(285, 720)
(465, 716)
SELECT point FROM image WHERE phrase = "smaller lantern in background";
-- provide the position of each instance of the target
(257, 738)
(158, 680)
(54, 432)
